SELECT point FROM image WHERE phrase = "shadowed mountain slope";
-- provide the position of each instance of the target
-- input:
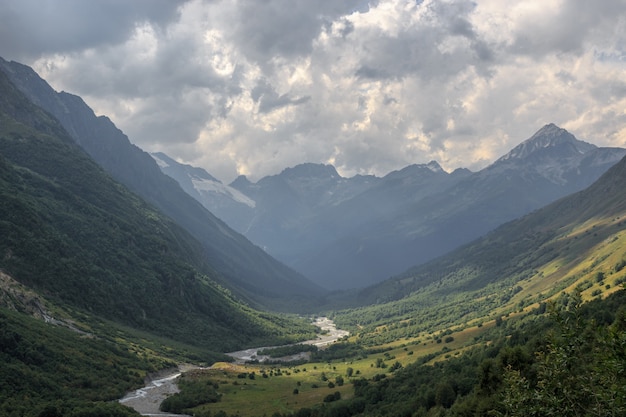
(83, 241)
(353, 232)
(243, 267)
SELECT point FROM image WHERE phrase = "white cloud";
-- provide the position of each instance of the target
(253, 87)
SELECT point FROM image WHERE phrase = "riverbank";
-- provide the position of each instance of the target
(146, 400)
(330, 334)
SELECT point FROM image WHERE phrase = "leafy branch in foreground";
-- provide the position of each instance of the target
(580, 373)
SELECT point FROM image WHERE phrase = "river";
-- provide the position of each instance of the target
(146, 400)
(331, 335)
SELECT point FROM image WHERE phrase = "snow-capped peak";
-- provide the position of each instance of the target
(202, 182)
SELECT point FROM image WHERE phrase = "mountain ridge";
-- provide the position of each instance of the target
(243, 267)
(85, 243)
(575, 244)
(351, 232)
(549, 135)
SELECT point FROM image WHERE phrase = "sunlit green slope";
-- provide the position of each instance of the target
(578, 241)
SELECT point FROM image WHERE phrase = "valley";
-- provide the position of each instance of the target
(329, 335)
(496, 292)
(346, 233)
(147, 400)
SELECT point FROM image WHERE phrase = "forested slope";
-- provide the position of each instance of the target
(81, 239)
(243, 268)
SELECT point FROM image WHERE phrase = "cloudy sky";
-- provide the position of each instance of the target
(254, 86)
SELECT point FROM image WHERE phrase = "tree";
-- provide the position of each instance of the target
(445, 395)
(581, 371)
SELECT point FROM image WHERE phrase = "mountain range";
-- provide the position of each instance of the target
(126, 271)
(575, 244)
(354, 232)
(241, 266)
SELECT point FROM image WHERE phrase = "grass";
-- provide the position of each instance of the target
(264, 396)
(261, 396)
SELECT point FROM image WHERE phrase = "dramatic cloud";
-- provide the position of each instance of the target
(29, 28)
(251, 87)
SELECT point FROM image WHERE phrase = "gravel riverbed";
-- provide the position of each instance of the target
(147, 400)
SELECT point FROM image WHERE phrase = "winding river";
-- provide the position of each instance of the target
(330, 335)
(146, 400)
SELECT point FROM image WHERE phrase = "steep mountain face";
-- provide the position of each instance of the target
(353, 232)
(289, 219)
(556, 155)
(243, 267)
(81, 239)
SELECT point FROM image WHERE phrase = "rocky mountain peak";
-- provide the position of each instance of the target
(434, 166)
(240, 182)
(311, 170)
(549, 136)
(417, 171)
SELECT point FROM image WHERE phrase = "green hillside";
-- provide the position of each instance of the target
(464, 335)
(245, 269)
(576, 242)
(528, 321)
(83, 241)
(53, 370)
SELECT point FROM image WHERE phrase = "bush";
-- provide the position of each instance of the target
(332, 397)
(192, 394)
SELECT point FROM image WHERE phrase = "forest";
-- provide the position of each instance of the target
(567, 360)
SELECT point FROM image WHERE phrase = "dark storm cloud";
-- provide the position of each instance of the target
(287, 28)
(29, 28)
(253, 86)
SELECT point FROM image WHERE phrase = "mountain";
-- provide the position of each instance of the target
(577, 243)
(242, 267)
(235, 208)
(549, 165)
(299, 213)
(86, 244)
(353, 232)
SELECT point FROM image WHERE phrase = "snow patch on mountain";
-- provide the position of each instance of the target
(160, 162)
(204, 185)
